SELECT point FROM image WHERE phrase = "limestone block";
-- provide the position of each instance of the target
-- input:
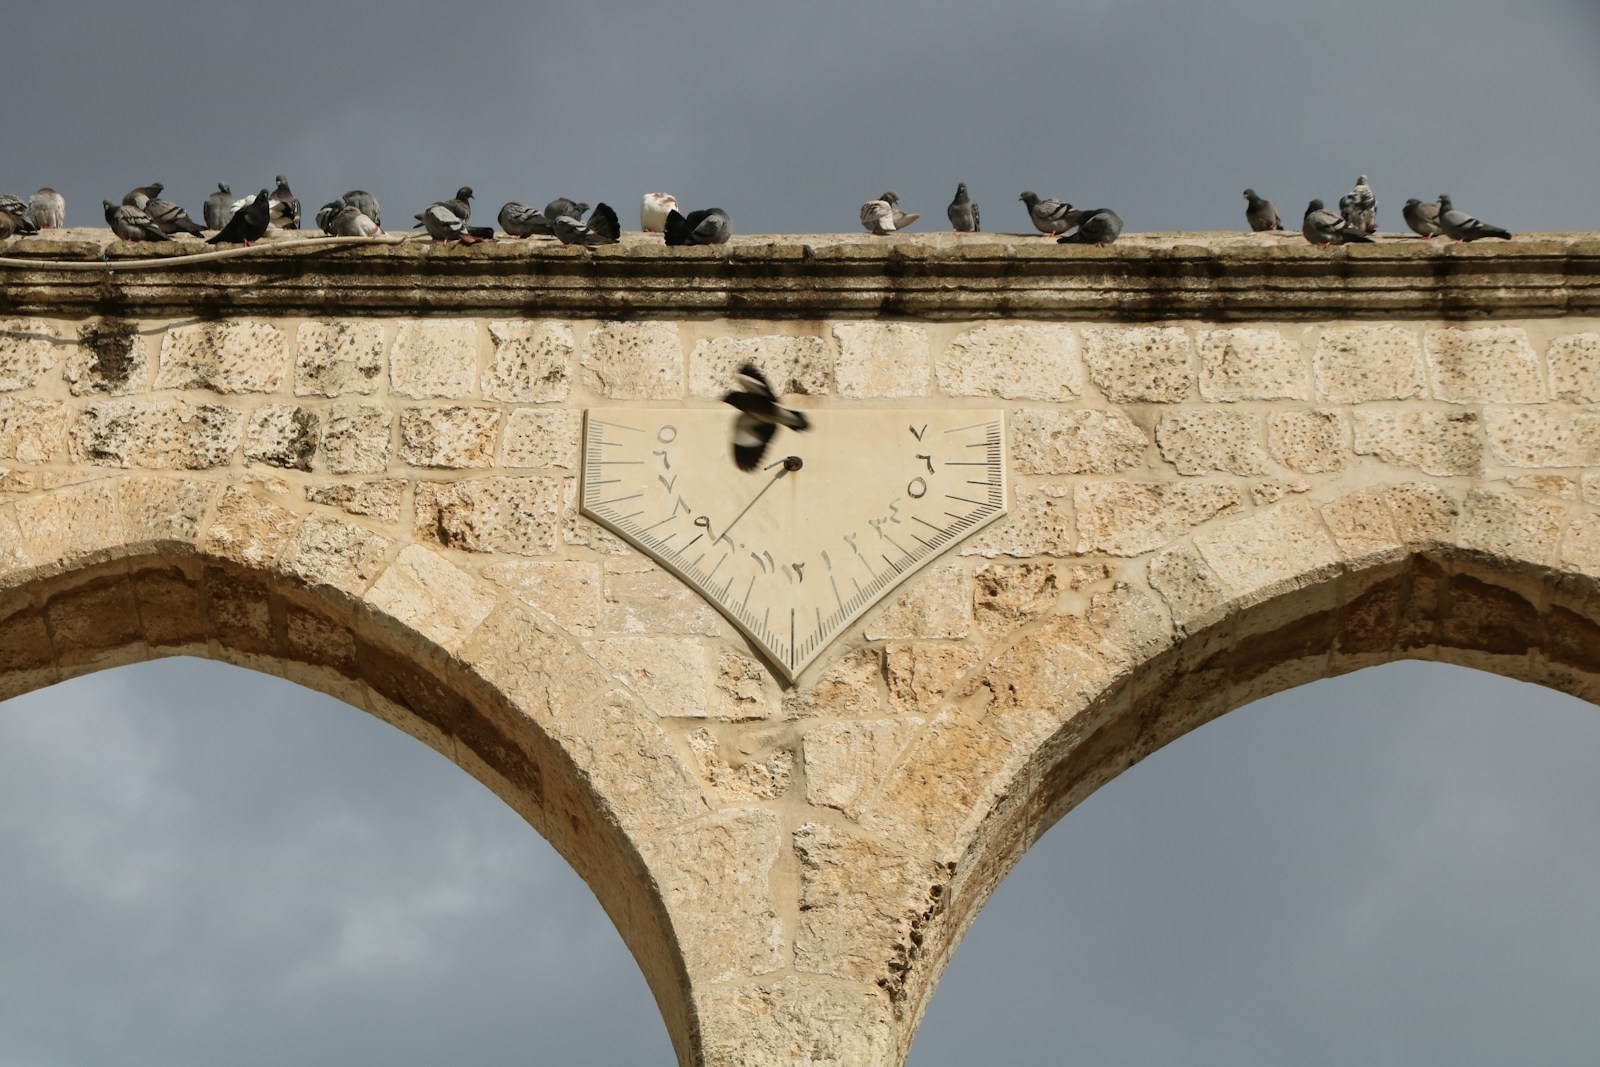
(330, 553)
(283, 435)
(641, 598)
(845, 762)
(434, 358)
(1075, 442)
(1575, 367)
(355, 439)
(1198, 440)
(735, 778)
(935, 603)
(1511, 526)
(537, 437)
(881, 359)
(1492, 365)
(795, 1021)
(849, 686)
(1541, 437)
(32, 430)
(1590, 488)
(1356, 364)
(1190, 586)
(1017, 362)
(1006, 596)
(1131, 364)
(1312, 442)
(1548, 484)
(110, 358)
(248, 528)
(532, 362)
(1035, 686)
(742, 690)
(634, 361)
(28, 349)
(1243, 364)
(1286, 543)
(338, 357)
(860, 901)
(380, 498)
(426, 592)
(1580, 545)
(454, 437)
(72, 524)
(1039, 524)
(544, 675)
(1362, 525)
(568, 592)
(517, 515)
(164, 434)
(27, 661)
(667, 674)
(16, 482)
(1437, 442)
(791, 364)
(1423, 514)
(163, 509)
(922, 673)
(1270, 492)
(225, 356)
(1132, 518)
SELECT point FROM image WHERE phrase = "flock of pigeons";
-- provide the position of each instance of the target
(143, 215)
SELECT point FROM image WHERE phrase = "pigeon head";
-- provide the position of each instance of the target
(1444, 202)
(464, 193)
(1315, 205)
(1249, 194)
(891, 197)
(961, 188)
(1362, 180)
(111, 209)
(1413, 202)
(155, 189)
(1029, 198)
(283, 183)
(222, 187)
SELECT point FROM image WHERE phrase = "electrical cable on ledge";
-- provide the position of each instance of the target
(308, 245)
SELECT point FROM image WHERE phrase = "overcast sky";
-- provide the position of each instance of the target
(209, 866)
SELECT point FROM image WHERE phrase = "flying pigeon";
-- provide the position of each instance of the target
(1464, 227)
(520, 220)
(351, 221)
(142, 195)
(1360, 207)
(132, 224)
(443, 224)
(760, 415)
(711, 226)
(901, 218)
(284, 206)
(170, 218)
(1096, 226)
(1323, 227)
(218, 208)
(601, 229)
(562, 207)
(249, 222)
(47, 209)
(1260, 213)
(1422, 217)
(653, 211)
(1049, 216)
(877, 216)
(365, 203)
(963, 211)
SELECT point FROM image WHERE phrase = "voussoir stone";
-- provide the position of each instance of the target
(1132, 518)
(1356, 364)
(642, 598)
(881, 359)
(338, 357)
(1492, 365)
(846, 761)
(1311, 442)
(1133, 364)
(936, 603)
(433, 596)
(634, 361)
(667, 674)
(1017, 362)
(1075, 442)
(792, 1020)
(1511, 525)
(568, 592)
(455, 436)
(1285, 543)
(1245, 364)
(790, 364)
(434, 359)
(532, 362)
(227, 356)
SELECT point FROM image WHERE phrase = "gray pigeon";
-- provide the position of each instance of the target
(47, 209)
(1360, 207)
(1261, 214)
(143, 195)
(443, 224)
(1464, 227)
(15, 205)
(520, 220)
(561, 207)
(11, 225)
(365, 203)
(351, 221)
(250, 221)
(1050, 217)
(285, 206)
(132, 224)
(963, 211)
(218, 208)
(901, 218)
(14, 216)
(603, 228)
(1096, 226)
(1422, 217)
(712, 226)
(325, 215)
(877, 216)
(1323, 227)
(171, 218)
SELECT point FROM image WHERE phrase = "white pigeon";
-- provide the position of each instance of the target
(878, 217)
(1360, 207)
(654, 209)
(47, 209)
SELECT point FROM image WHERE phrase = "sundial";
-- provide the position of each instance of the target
(824, 527)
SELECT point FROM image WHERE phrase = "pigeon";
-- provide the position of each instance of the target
(284, 205)
(760, 415)
(1360, 207)
(143, 195)
(11, 225)
(170, 217)
(1464, 227)
(1323, 227)
(1261, 214)
(520, 220)
(131, 223)
(1096, 226)
(653, 211)
(351, 221)
(444, 224)
(47, 209)
(1049, 216)
(711, 226)
(15, 205)
(1423, 218)
(963, 211)
(218, 208)
(365, 203)
(14, 216)
(901, 218)
(561, 206)
(249, 222)
(877, 216)
(601, 229)
(325, 215)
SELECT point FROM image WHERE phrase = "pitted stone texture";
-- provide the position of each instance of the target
(434, 359)
(1311, 442)
(355, 439)
(502, 514)
(328, 553)
(32, 430)
(75, 524)
(850, 686)
(1247, 364)
(1491, 365)
(227, 356)
(1075, 442)
(790, 364)
(1190, 586)
(423, 590)
(740, 692)
(936, 603)
(1548, 484)
(1131, 518)
(1017, 362)
(532, 362)
(1357, 364)
(846, 762)
(667, 674)
(1580, 544)
(1389, 518)
(1541, 437)
(454, 437)
(1040, 524)
(641, 598)
(1575, 367)
(1437, 442)
(111, 359)
(542, 438)
(338, 357)
(790, 1020)
(380, 498)
(283, 435)
(1006, 596)
(1132, 364)
(1198, 441)
(28, 349)
(922, 673)
(1509, 525)
(634, 361)
(583, 532)
(734, 777)
(881, 359)
(164, 509)
(248, 528)
(568, 592)
(170, 434)
(1284, 543)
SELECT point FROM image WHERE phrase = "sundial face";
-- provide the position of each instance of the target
(829, 522)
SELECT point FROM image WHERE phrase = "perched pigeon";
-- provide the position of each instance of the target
(365, 203)
(1261, 214)
(218, 208)
(963, 211)
(11, 225)
(901, 218)
(351, 221)
(1360, 207)
(285, 206)
(1323, 227)
(249, 222)
(325, 215)
(1049, 216)
(15, 216)
(711, 226)
(47, 209)
(760, 415)
(143, 195)
(601, 229)
(653, 211)
(520, 220)
(14, 205)
(877, 216)
(443, 224)
(1422, 217)
(562, 207)
(1464, 227)
(1096, 226)
(132, 224)
(170, 218)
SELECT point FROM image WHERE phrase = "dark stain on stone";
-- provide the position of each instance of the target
(111, 342)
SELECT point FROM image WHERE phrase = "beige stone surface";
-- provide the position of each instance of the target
(423, 590)
(936, 603)
(1357, 364)
(634, 361)
(500, 514)
(1311, 442)
(858, 897)
(330, 554)
(1199, 441)
(248, 528)
(434, 358)
(1490, 365)
(28, 349)
(1006, 596)
(847, 761)
(380, 498)
(338, 357)
(668, 674)
(283, 435)
(532, 362)
(1040, 524)
(543, 439)
(641, 598)
(453, 436)
(567, 591)
(1435, 442)
(78, 523)
(921, 673)
(1509, 525)
(1132, 518)
(1133, 364)
(734, 777)
(168, 434)
(355, 439)
(791, 364)
(111, 358)
(1541, 437)
(791, 1020)
(848, 686)
(1013, 361)
(1575, 367)
(32, 430)
(881, 359)
(226, 356)
(1075, 442)
(1250, 364)
(1277, 544)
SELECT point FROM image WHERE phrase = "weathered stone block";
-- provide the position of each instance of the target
(846, 761)
(922, 673)
(338, 357)
(734, 777)
(283, 435)
(532, 362)
(248, 528)
(170, 434)
(1039, 524)
(641, 598)
(1491, 365)
(111, 358)
(1140, 363)
(1075, 442)
(791, 1020)
(1438, 442)
(791, 364)
(329, 553)
(539, 437)
(517, 515)
(881, 359)
(1190, 586)
(1542, 437)
(1017, 362)
(355, 439)
(435, 358)
(1286, 543)
(455, 437)
(163, 509)
(634, 361)
(423, 590)
(859, 899)
(1006, 596)
(741, 690)
(75, 524)
(1511, 526)
(380, 498)
(28, 349)
(1575, 367)
(1356, 364)
(667, 674)
(1312, 442)
(1580, 544)
(568, 592)
(225, 356)
(32, 430)
(1131, 518)
(936, 603)
(1198, 441)
(850, 686)
(1244, 364)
